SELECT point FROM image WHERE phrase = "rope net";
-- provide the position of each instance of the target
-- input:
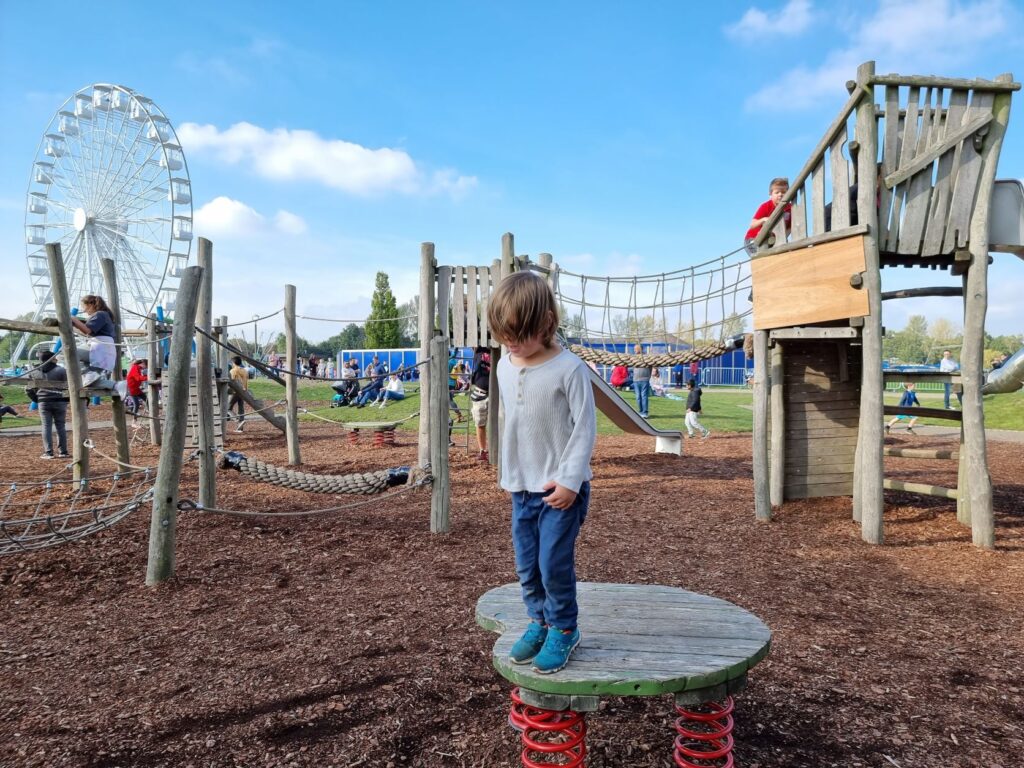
(41, 515)
(678, 317)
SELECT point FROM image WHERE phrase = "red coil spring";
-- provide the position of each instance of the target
(705, 734)
(384, 437)
(549, 735)
(353, 437)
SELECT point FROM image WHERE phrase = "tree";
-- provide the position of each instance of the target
(733, 325)
(302, 347)
(410, 325)
(383, 329)
(352, 337)
(943, 331)
(9, 341)
(911, 345)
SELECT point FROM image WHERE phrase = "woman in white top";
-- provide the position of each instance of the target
(394, 390)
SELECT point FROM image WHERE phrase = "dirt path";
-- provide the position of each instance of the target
(348, 640)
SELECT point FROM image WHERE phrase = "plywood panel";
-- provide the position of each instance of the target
(809, 286)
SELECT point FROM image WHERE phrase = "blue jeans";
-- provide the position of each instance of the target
(545, 546)
(368, 394)
(643, 395)
(948, 389)
(387, 394)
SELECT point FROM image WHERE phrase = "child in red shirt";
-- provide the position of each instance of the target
(777, 189)
(137, 376)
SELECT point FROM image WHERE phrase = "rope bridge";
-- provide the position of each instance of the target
(41, 515)
(363, 483)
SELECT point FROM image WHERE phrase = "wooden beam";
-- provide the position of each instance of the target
(291, 411)
(920, 377)
(116, 403)
(440, 499)
(814, 332)
(913, 293)
(425, 326)
(163, 522)
(936, 151)
(204, 379)
(23, 326)
(762, 499)
(922, 488)
(808, 242)
(776, 472)
(258, 406)
(923, 413)
(921, 453)
(928, 81)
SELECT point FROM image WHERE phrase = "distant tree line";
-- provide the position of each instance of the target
(921, 343)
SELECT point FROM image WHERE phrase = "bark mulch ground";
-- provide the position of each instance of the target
(349, 640)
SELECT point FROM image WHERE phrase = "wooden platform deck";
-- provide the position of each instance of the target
(638, 640)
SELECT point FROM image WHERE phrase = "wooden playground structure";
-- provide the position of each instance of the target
(818, 295)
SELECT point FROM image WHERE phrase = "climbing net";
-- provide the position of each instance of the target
(679, 316)
(38, 515)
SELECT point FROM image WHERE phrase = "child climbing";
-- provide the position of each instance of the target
(100, 354)
(777, 189)
(548, 438)
(693, 424)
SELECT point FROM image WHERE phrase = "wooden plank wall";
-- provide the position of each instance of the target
(822, 406)
(466, 290)
(192, 434)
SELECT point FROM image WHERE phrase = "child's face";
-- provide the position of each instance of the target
(777, 193)
(527, 348)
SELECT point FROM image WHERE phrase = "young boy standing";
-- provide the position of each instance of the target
(777, 189)
(548, 439)
(693, 424)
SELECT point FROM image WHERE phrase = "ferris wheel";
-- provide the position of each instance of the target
(110, 180)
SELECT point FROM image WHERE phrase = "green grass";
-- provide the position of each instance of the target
(16, 397)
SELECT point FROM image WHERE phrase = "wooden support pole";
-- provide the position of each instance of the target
(868, 496)
(493, 405)
(508, 251)
(979, 481)
(156, 364)
(762, 500)
(963, 484)
(777, 473)
(440, 496)
(116, 403)
(224, 365)
(428, 294)
(291, 380)
(163, 523)
(79, 414)
(204, 379)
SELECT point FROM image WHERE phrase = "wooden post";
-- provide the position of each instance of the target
(291, 381)
(79, 415)
(777, 473)
(204, 379)
(979, 483)
(428, 281)
(116, 403)
(868, 495)
(163, 523)
(156, 363)
(762, 500)
(508, 253)
(440, 496)
(223, 363)
(493, 399)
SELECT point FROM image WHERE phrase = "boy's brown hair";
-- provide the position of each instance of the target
(523, 307)
(778, 181)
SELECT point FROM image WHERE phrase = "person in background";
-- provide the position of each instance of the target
(100, 353)
(948, 365)
(138, 375)
(393, 390)
(479, 398)
(314, 364)
(777, 189)
(657, 385)
(908, 400)
(677, 375)
(6, 410)
(641, 384)
(240, 375)
(620, 377)
(693, 409)
(53, 403)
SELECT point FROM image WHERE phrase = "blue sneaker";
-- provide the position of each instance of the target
(558, 646)
(529, 644)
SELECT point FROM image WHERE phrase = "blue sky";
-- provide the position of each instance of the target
(328, 140)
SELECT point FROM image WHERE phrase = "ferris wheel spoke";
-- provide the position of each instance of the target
(107, 194)
(126, 151)
(127, 158)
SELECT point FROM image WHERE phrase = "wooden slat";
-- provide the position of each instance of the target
(890, 158)
(946, 82)
(840, 183)
(811, 414)
(920, 377)
(472, 317)
(908, 147)
(797, 444)
(968, 173)
(818, 197)
(821, 396)
(832, 236)
(819, 491)
(822, 429)
(804, 463)
(919, 189)
(799, 215)
(949, 142)
(809, 286)
(814, 332)
(444, 290)
(922, 488)
(945, 176)
(459, 307)
(483, 275)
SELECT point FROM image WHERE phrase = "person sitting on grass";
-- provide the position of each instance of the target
(394, 390)
(6, 410)
(908, 400)
(657, 385)
(547, 443)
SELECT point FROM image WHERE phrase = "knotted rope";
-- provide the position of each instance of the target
(364, 483)
(605, 357)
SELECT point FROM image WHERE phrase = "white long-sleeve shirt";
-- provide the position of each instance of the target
(550, 423)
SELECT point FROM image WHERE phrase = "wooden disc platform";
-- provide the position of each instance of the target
(638, 640)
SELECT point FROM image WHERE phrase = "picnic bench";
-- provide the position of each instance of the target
(638, 640)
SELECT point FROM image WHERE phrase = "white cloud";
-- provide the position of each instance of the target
(902, 36)
(225, 217)
(793, 19)
(299, 155)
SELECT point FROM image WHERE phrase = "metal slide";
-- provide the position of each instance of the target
(628, 420)
(1009, 377)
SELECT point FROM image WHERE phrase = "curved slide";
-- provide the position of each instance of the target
(1009, 377)
(628, 420)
